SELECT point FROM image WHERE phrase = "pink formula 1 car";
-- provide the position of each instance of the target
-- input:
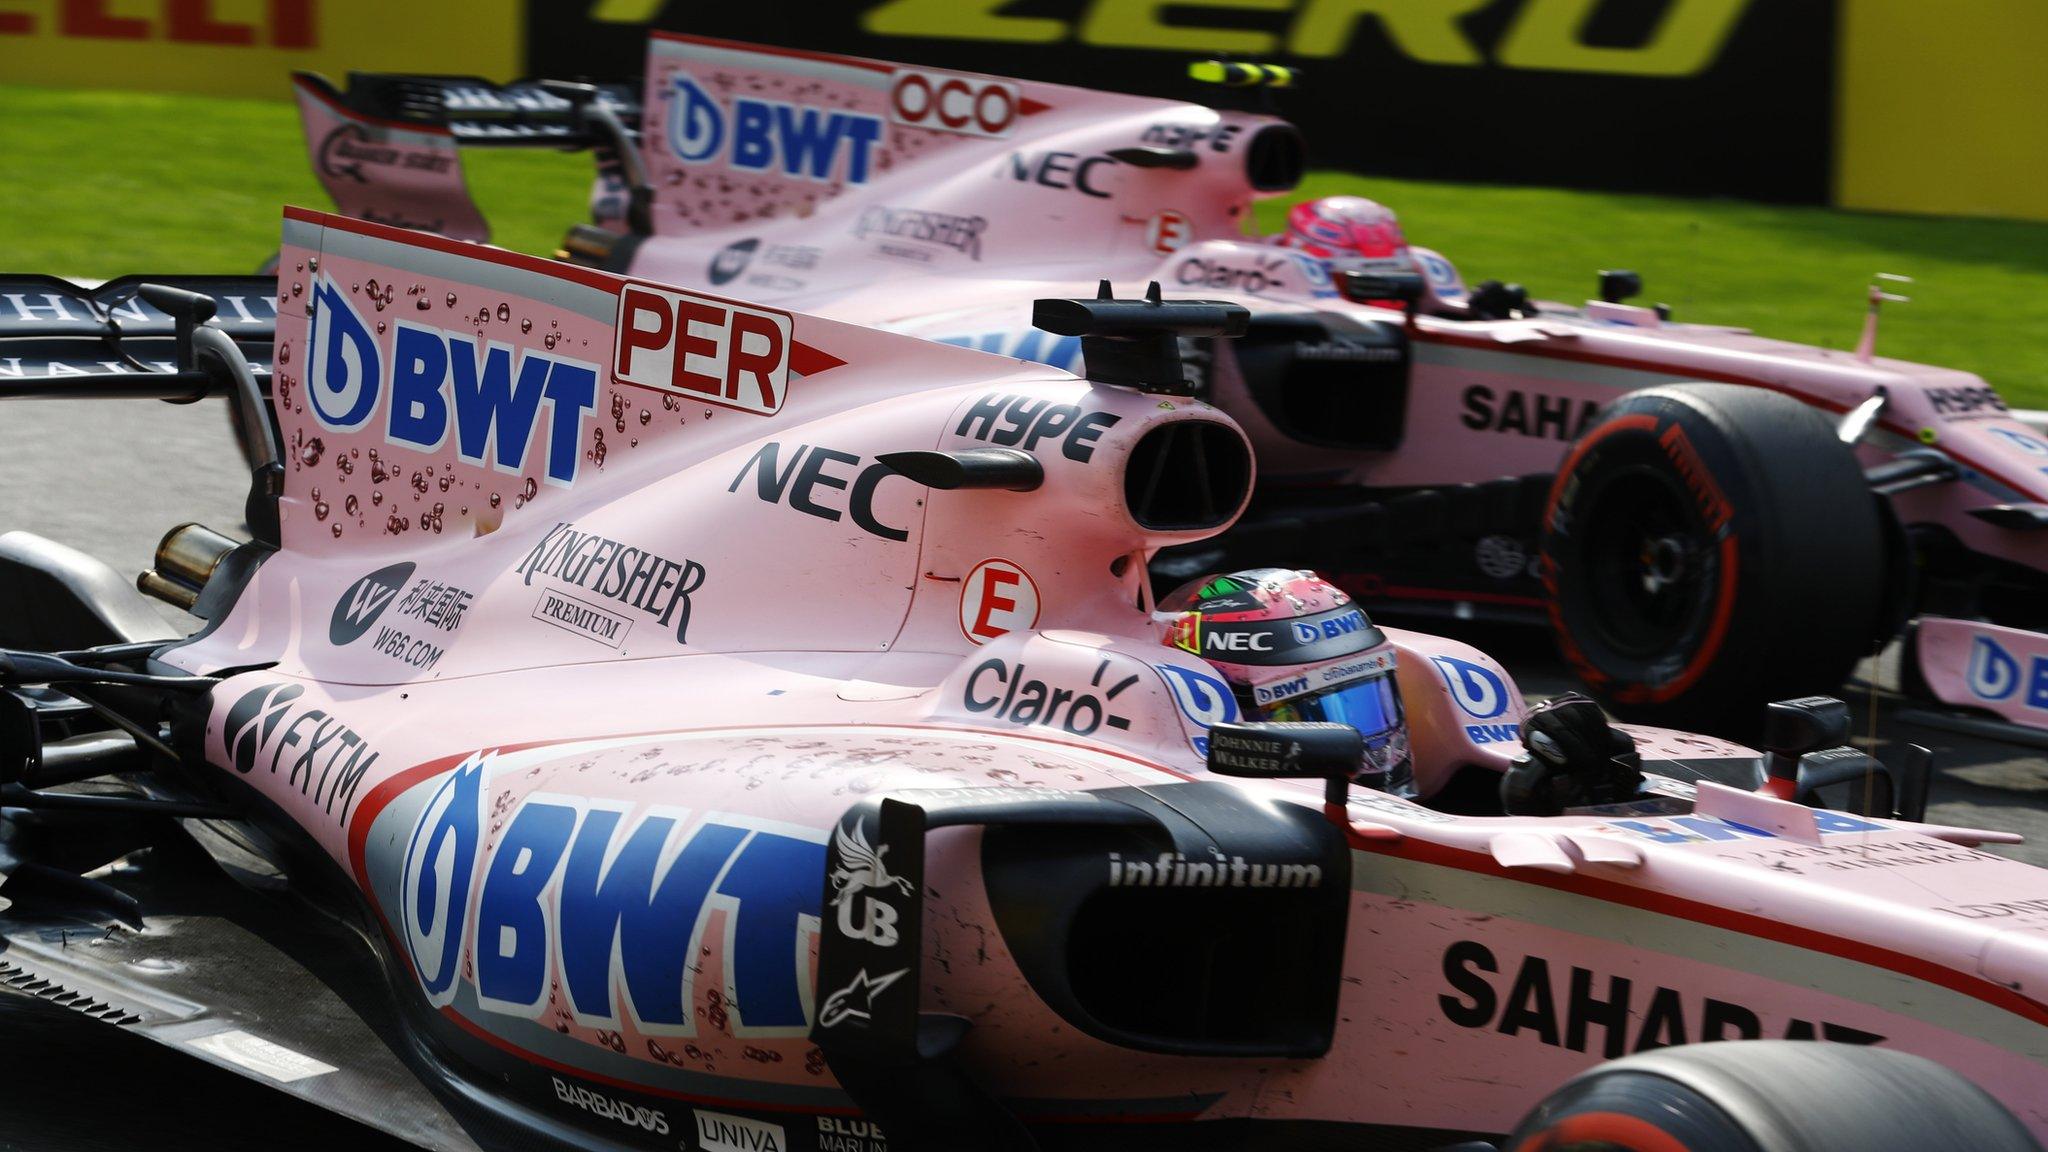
(1680, 500)
(649, 720)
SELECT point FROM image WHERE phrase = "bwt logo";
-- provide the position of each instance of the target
(1316, 274)
(1443, 278)
(1314, 631)
(706, 349)
(772, 136)
(1995, 674)
(1493, 733)
(1204, 699)
(440, 869)
(490, 395)
(609, 905)
(2031, 445)
(1269, 694)
(1479, 691)
(1033, 344)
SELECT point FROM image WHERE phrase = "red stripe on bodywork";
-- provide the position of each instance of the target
(381, 796)
(560, 270)
(531, 1057)
(763, 50)
(1748, 924)
(1689, 372)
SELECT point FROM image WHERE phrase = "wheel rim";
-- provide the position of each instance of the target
(1650, 561)
(1601, 1132)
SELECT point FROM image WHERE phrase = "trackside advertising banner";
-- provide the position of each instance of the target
(1884, 105)
(1694, 96)
(249, 47)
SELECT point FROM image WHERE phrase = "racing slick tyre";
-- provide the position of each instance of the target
(1770, 1096)
(1708, 548)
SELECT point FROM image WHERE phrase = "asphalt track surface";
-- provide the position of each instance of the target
(110, 477)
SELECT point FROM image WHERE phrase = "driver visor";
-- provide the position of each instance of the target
(1370, 705)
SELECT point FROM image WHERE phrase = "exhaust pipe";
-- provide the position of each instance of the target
(185, 560)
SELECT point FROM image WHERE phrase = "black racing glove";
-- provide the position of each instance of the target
(1574, 758)
(1493, 300)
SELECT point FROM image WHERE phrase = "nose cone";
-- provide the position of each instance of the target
(2017, 957)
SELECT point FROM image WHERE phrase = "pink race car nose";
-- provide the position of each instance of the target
(2018, 956)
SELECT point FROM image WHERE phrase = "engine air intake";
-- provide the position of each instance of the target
(1276, 159)
(1243, 932)
(1187, 475)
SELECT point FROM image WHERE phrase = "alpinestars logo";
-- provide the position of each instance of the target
(856, 1001)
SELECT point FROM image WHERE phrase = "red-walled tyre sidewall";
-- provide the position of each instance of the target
(1633, 1111)
(1791, 547)
(1770, 1096)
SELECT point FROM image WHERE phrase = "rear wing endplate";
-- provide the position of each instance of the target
(388, 147)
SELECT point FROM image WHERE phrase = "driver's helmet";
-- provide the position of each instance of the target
(1295, 648)
(1351, 229)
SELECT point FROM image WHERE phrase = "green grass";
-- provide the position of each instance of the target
(126, 182)
(101, 183)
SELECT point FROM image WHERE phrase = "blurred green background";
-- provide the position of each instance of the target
(128, 182)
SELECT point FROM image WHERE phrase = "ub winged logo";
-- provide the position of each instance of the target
(860, 868)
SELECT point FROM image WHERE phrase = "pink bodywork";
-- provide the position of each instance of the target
(1979, 665)
(854, 251)
(941, 203)
(755, 643)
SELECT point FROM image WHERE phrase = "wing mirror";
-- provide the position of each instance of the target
(1275, 751)
(1361, 287)
(1618, 284)
(1806, 755)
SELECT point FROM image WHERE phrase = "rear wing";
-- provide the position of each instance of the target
(176, 338)
(67, 338)
(725, 136)
(388, 147)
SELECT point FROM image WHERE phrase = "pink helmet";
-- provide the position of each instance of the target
(1341, 226)
(1293, 647)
